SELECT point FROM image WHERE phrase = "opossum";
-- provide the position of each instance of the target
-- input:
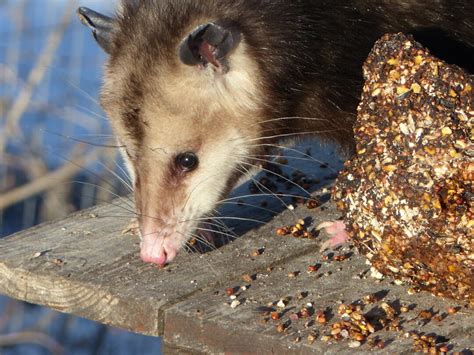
(196, 90)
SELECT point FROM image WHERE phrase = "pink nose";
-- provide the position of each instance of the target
(159, 258)
(159, 248)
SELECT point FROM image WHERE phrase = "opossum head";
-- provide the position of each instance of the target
(182, 93)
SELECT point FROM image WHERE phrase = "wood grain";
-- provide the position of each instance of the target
(88, 268)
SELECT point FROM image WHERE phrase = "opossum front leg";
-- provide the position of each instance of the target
(337, 234)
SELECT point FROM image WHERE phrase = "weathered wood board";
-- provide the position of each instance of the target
(212, 325)
(85, 266)
(88, 268)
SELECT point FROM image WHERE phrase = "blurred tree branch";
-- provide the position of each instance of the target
(35, 76)
(50, 180)
(31, 337)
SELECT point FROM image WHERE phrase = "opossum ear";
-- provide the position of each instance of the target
(209, 43)
(101, 26)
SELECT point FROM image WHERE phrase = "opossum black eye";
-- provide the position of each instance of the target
(187, 161)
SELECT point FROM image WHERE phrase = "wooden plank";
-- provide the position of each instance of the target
(206, 322)
(87, 268)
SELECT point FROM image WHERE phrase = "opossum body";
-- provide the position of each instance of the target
(196, 91)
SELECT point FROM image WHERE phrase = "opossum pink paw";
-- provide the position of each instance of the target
(133, 228)
(337, 234)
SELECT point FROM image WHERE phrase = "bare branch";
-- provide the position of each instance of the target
(31, 337)
(66, 172)
(35, 77)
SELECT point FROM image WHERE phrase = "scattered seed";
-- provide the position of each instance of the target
(402, 90)
(58, 261)
(275, 315)
(452, 310)
(370, 299)
(312, 204)
(247, 278)
(354, 344)
(301, 295)
(325, 338)
(294, 316)
(305, 313)
(280, 328)
(416, 88)
(256, 253)
(425, 314)
(376, 92)
(283, 231)
(446, 131)
(321, 318)
(358, 336)
(393, 61)
(376, 274)
(340, 257)
(235, 304)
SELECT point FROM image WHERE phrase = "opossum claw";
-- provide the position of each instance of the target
(337, 234)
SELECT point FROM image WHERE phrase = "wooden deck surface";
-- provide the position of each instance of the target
(86, 267)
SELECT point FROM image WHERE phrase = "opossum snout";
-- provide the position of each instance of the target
(159, 243)
(178, 186)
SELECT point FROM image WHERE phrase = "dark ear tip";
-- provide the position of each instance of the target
(84, 13)
(102, 27)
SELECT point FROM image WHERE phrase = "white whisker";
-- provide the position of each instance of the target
(250, 205)
(290, 118)
(295, 151)
(271, 192)
(286, 135)
(280, 176)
